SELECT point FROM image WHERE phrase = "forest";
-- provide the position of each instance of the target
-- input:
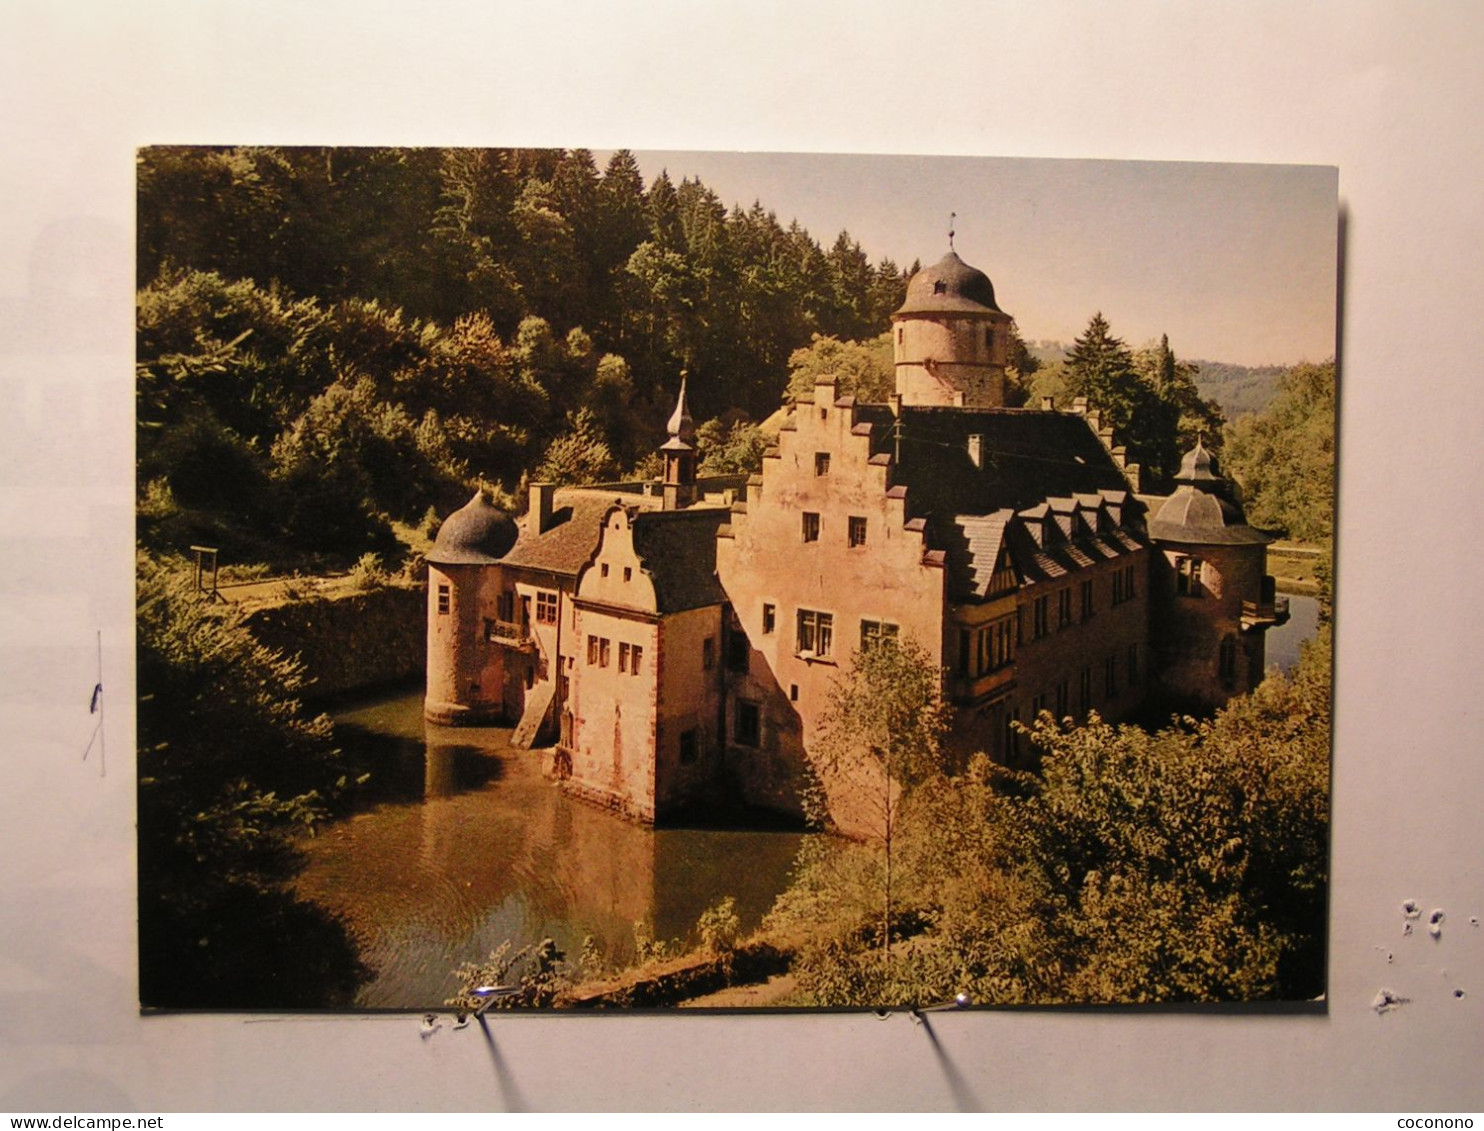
(333, 345)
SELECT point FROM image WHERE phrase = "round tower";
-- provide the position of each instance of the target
(466, 667)
(1213, 598)
(951, 342)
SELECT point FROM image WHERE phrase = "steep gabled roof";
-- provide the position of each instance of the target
(1028, 456)
(567, 544)
(678, 551)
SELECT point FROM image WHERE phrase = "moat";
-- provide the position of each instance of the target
(464, 845)
(461, 845)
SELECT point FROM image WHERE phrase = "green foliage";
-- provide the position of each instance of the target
(368, 573)
(579, 455)
(1238, 389)
(718, 927)
(531, 977)
(864, 370)
(230, 769)
(731, 444)
(1284, 458)
(1188, 865)
(1150, 400)
(880, 738)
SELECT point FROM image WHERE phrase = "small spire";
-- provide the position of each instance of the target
(952, 216)
(681, 426)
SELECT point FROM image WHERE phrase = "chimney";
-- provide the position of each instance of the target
(895, 400)
(1079, 405)
(542, 497)
(1048, 404)
(958, 398)
(976, 449)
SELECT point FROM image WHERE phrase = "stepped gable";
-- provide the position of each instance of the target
(678, 549)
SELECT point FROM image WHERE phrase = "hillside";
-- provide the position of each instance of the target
(1238, 389)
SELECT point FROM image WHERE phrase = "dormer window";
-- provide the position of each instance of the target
(940, 287)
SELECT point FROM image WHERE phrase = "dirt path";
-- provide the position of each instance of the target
(776, 991)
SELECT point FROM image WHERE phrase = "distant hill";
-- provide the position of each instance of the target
(1238, 389)
(1046, 351)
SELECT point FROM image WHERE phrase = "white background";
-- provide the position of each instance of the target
(1388, 93)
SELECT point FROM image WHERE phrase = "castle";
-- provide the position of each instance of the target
(679, 640)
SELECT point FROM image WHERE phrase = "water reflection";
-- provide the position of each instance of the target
(466, 846)
(1284, 642)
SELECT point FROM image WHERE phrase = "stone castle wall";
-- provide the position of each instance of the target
(352, 641)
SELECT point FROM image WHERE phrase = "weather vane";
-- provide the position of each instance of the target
(952, 216)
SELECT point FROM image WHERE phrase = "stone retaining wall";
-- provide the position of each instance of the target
(350, 641)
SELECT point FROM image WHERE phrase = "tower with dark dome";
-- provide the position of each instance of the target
(951, 341)
(466, 668)
(1214, 600)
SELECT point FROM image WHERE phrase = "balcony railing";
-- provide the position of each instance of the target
(512, 634)
(1267, 612)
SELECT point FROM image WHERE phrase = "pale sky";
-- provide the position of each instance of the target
(1236, 263)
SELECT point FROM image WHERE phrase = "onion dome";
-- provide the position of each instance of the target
(1199, 466)
(478, 533)
(949, 286)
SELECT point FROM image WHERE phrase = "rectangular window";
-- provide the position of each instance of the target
(628, 573)
(857, 531)
(603, 569)
(489, 628)
(793, 693)
(1004, 641)
(1086, 599)
(592, 651)
(1084, 691)
(1110, 676)
(1128, 583)
(1064, 608)
(1188, 577)
(821, 463)
(816, 633)
(1061, 700)
(1010, 736)
(708, 653)
(1227, 661)
(737, 650)
(1117, 588)
(687, 747)
(875, 631)
(636, 654)
(1038, 704)
(603, 652)
(770, 619)
(506, 605)
(811, 526)
(443, 600)
(546, 607)
(1042, 610)
(747, 728)
(982, 651)
(623, 657)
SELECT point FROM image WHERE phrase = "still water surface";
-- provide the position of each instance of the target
(1284, 642)
(467, 846)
